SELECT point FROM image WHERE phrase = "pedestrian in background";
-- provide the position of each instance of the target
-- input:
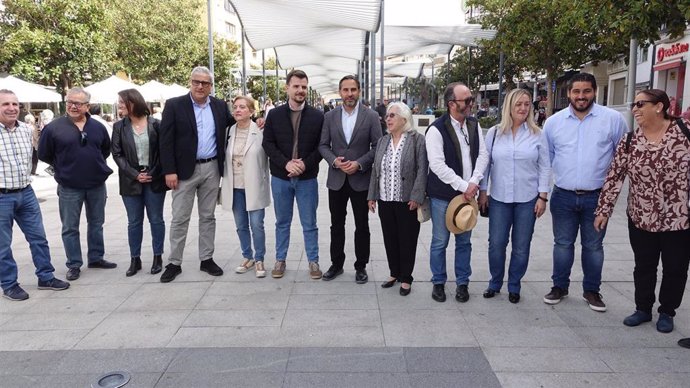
(142, 185)
(518, 175)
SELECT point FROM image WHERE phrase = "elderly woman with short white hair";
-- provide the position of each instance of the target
(398, 183)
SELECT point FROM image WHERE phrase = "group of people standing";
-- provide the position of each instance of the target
(452, 172)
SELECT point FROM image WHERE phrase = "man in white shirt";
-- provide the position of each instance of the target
(457, 160)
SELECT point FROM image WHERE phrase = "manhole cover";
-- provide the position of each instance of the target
(112, 380)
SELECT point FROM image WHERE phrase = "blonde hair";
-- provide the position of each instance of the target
(506, 124)
(250, 102)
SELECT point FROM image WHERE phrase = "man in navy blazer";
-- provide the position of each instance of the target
(192, 153)
(348, 143)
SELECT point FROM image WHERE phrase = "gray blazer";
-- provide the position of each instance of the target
(414, 168)
(361, 149)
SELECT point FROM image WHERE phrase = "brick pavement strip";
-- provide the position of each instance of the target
(295, 332)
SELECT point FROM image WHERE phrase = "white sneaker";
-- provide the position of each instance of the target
(260, 270)
(245, 266)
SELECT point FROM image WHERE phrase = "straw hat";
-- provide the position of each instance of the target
(461, 215)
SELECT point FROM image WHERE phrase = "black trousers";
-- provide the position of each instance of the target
(674, 249)
(337, 204)
(400, 232)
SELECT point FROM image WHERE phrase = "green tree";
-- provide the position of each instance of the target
(56, 42)
(255, 85)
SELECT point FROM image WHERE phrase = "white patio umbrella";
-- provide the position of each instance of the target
(105, 92)
(154, 91)
(176, 90)
(27, 91)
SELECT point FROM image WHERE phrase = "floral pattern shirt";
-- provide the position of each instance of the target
(659, 181)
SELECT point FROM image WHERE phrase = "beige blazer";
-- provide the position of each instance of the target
(255, 165)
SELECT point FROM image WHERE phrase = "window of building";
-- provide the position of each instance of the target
(228, 7)
(618, 95)
(642, 54)
(230, 28)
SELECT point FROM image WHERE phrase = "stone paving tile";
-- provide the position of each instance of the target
(221, 380)
(335, 287)
(29, 363)
(454, 380)
(623, 337)
(213, 318)
(346, 380)
(142, 380)
(13, 340)
(76, 305)
(333, 302)
(363, 336)
(563, 380)
(105, 290)
(230, 360)
(160, 296)
(235, 336)
(71, 320)
(439, 328)
(134, 361)
(299, 318)
(322, 360)
(446, 360)
(134, 329)
(548, 360)
(667, 379)
(649, 360)
(259, 300)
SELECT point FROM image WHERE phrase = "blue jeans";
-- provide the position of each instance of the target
(70, 202)
(306, 192)
(439, 241)
(22, 207)
(569, 213)
(503, 217)
(135, 205)
(244, 220)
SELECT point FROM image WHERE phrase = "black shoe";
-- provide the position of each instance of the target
(331, 274)
(134, 267)
(73, 274)
(170, 273)
(405, 291)
(513, 297)
(361, 276)
(102, 264)
(489, 293)
(684, 342)
(555, 296)
(209, 266)
(388, 283)
(461, 293)
(16, 294)
(439, 293)
(157, 265)
(54, 284)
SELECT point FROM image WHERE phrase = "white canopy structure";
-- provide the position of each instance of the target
(29, 92)
(105, 92)
(154, 91)
(176, 90)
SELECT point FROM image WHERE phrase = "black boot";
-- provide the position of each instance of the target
(134, 266)
(157, 265)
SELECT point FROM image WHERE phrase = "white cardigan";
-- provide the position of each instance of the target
(255, 165)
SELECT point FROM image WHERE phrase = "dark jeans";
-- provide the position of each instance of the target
(337, 204)
(70, 203)
(674, 249)
(135, 206)
(400, 231)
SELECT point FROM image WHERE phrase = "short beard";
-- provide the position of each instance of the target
(585, 109)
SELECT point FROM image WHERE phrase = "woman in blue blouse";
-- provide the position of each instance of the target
(519, 173)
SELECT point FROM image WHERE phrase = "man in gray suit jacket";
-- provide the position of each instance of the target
(348, 143)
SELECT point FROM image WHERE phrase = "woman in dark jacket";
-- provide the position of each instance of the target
(142, 184)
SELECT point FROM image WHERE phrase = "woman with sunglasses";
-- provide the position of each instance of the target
(398, 183)
(142, 184)
(519, 171)
(656, 160)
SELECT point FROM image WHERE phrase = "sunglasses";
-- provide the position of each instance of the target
(82, 141)
(391, 115)
(467, 101)
(640, 104)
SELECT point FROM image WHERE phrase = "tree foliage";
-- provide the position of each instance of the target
(56, 42)
(255, 85)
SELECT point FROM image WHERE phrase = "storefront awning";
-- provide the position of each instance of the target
(668, 65)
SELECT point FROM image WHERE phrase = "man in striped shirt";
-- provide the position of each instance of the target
(18, 203)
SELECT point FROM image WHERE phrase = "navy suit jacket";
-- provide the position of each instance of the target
(179, 137)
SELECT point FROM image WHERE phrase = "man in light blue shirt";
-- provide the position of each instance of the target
(582, 139)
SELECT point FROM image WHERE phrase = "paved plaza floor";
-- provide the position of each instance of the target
(240, 331)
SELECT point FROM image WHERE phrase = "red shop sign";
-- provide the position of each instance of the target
(665, 52)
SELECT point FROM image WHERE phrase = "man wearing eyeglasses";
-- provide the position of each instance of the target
(457, 160)
(582, 140)
(77, 146)
(192, 153)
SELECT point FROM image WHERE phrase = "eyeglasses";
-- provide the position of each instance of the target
(391, 115)
(84, 136)
(640, 104)
(467, 101)
(76, 104)
(464, 135)
(201, 83)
